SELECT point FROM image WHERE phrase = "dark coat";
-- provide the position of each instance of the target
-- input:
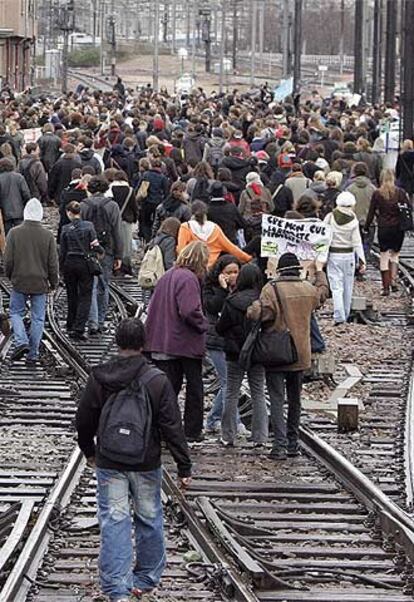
(193, 146)
(232, 324)
(61, 175)
(182, 330)
(87, 157)
(37, 179)
(404, 171)
(214, 297)
(386, 210)
(49, 145)
(239, 169)
(117, 374)
(182, 212)
(14, 194)
(31, 259)
(158, 188)
(120, 193)
(227, 216)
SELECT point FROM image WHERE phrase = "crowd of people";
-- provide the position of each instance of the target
(187, 181)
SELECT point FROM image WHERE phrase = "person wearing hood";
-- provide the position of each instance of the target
(199, 228)
(288, 302)
(346, 244)
(126, 575)
(224, 214)
(255, 190)
(31, 263)
(175, 205)
(88, 156)
(214, 150)
(362, 188)
(232, 326)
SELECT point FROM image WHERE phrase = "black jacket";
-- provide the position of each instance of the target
(61, 175)
(87, 157)
(14, 194)
(214, 297)
(120, 192)
(232, 324)
(76, 239)
(239, 169)
(115, 375)
(158, 188)
(404, 170)
(227, 216)
(49, 145)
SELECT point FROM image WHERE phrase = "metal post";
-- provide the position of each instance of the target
(253, 44)
(341, 39)
(194, 38)
(261, 32)
(235, 35)
(298, 46)
(376, 53)
(407, 95)
(65, 61)
(390, 54)
(102, 32)
(222, 44)
(155, 70)
(286, 38)
(174, 26)
(188, 23)
(359, 48)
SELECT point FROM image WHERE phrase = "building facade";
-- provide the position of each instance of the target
(17, 39)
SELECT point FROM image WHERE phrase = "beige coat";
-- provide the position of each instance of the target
(299, 299)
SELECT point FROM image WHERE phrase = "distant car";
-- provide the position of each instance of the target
(185, 84)
(342, 92)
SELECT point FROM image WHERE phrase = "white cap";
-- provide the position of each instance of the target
(33, 211)
(345, 199)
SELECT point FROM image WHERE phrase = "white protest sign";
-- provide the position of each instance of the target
(307, 239)
(31, 135)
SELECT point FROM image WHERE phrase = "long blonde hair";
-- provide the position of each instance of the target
(194, 257)
(387, 184)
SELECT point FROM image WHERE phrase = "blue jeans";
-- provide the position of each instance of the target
(100, 293)
(37, 320)
(341, 272)
(218, 359)
(117, 573)
(317, 342)
(277, 382)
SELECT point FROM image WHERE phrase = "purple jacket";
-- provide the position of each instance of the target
(176, 324)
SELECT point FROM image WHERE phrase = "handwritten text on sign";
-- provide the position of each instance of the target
(308, 239)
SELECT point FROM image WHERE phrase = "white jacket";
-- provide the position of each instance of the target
(345, 230)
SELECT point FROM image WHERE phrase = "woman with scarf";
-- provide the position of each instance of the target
(175, 205)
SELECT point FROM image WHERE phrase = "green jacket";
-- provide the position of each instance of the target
(31, 259)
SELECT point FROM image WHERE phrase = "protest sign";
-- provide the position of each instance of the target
(31, 134)
(308, 239)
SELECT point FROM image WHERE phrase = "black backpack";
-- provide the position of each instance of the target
(100, 219)
(125, 423)
(26, 173)
(201, 190)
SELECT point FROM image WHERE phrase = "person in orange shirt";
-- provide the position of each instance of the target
(199, 228)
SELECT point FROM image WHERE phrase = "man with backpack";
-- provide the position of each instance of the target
(105, 215)
(214, 150)
(34, 173)
(131, 406)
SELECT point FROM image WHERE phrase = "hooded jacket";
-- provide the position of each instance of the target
(213, 236)
(345, 232)
(362, 188)
(227, 216)
(88, 157)
(232, 324)
(113, 376)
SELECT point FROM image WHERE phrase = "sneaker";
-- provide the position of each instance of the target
(259, 445)
(19, 352)
(242, 430)
(226, 443)
(278, 454)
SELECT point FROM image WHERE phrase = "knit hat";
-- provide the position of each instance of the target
(252, 176)
(288, 261)
(217, 190)
(285, 161)
(33, 211)
(345, 199)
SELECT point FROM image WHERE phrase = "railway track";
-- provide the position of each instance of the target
(314, 528)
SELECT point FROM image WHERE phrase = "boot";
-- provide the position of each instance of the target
(385, 275)
(394, 276)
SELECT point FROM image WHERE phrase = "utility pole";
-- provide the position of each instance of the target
(407, 95)
(376, 53)
(66, 25)
(298, 47)
(102, 33)
(156, 68)
(261, 32)
(222, 44)
(194, 38)
(205, 14)
(286, 39)
(253, 43)
(112, 39)
(235, 36)
(390, 54)
(173, 26)
(342, 39)
(359, 48)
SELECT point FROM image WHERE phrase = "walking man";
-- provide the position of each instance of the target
(139, 480)
(31, 263)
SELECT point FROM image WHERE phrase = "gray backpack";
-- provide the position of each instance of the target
(125, 423)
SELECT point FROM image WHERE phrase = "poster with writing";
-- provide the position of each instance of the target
(31, 135)
(308, 239)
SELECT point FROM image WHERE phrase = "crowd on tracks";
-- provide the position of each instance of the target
(187, 183)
